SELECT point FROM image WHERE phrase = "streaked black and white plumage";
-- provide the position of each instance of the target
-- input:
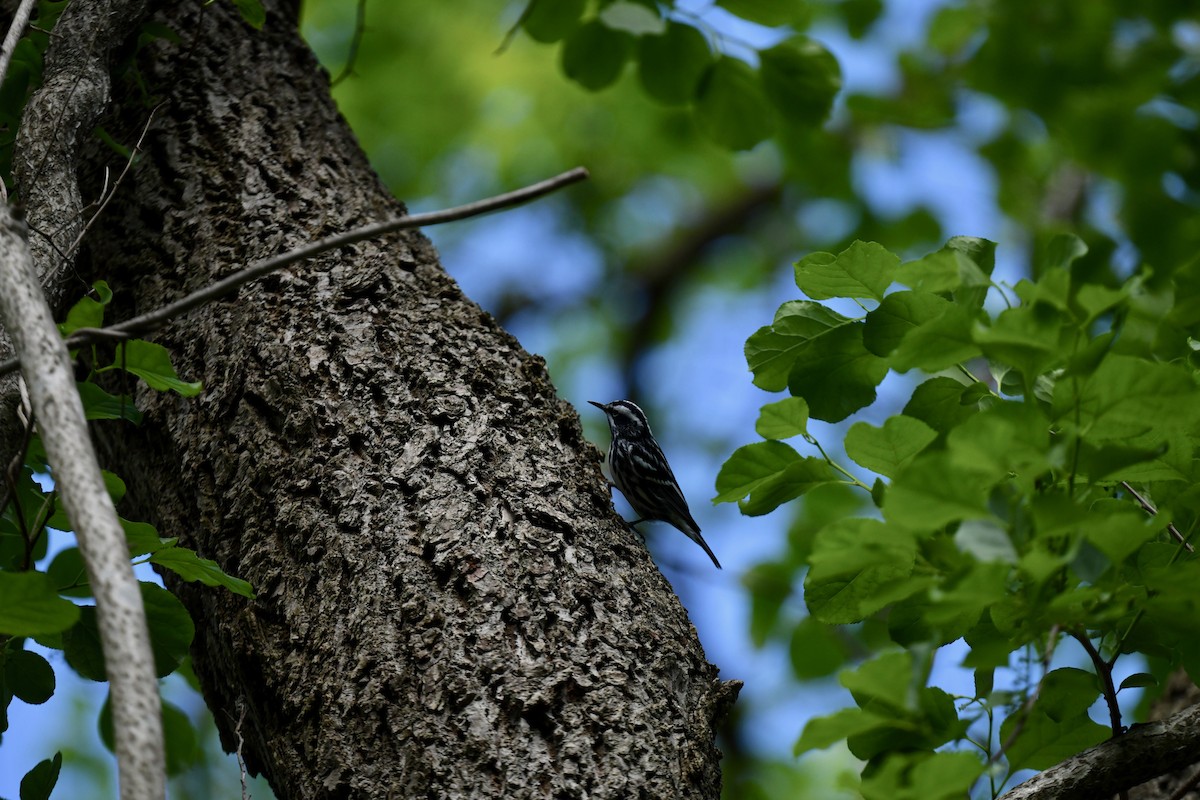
(638, 468)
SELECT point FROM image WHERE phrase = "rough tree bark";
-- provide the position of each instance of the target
(447, 604)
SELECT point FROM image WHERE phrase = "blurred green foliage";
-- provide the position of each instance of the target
(1077, 118)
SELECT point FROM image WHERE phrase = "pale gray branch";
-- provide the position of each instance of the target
(137, 720)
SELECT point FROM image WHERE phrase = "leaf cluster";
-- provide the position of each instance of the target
(1022, 494)
(682, 63)
(42, 599)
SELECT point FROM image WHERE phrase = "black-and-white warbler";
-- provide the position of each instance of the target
(638, 468)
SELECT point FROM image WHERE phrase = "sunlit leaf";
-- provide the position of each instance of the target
(836, 374)
(851, 563)
(889, 449)
(29, 605)
(189, 566)
(152, 363)
(863, 270)
(783, 419)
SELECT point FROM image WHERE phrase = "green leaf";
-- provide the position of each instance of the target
(771, 13)
(189, 566)
(171, 632)
(1061, 251)
(941, 342)
(933, 492)
(921, 775)
(768, 474)
(730, 106)
(889, 449)
(783, 419)
(898, 314)
(816, 650)
(954, 268)
(1029, 339)
(800, 78)
(182, 746)
(1007, 440)
(942, 403)
(821, 732)
(152, 363)
(863, 270)
(953, 28)
(836, 374)
(252, 12)
(99, 404)
(883, 682)
(29, 676)
(769, 585)
(855, 565)
(771, 352)
(87, 311)
(947, 612)
(39, 782)
(143, 538)
(1138, 680)
(594, 55)
(171, 629)
(1127, 397)
(548, 21)
(1053, 288)
(68, 574)
(985, 541)
(29, 606)
(1042, 742)
(1118, 535)
(670, 66)
(633, 18)
(82, 647)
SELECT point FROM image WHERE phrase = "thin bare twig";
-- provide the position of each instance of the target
(1186, 786)
(153, 320)
(1027, 706)
(15, 31)
(108, 195)
(1149, 508)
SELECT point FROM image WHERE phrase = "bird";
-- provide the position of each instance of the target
(639, 469)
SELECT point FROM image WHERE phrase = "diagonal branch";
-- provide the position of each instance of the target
(1145, 752)
(1149, 508)
(152, 320)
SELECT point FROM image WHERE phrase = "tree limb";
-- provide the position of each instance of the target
(14, 35)
(137, 720)
(155, 319)
(59, 115)
(1144, 752)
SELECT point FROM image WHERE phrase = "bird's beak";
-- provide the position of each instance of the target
(597, 405)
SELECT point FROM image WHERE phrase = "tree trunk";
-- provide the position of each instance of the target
(447, 604)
